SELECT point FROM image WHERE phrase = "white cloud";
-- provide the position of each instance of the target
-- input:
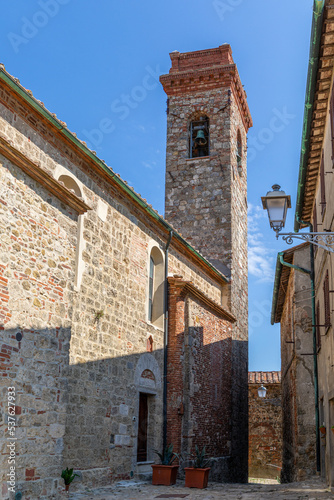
(261, 264)
(150, 165)
(261, 259)
(141, 128)
(146, 164)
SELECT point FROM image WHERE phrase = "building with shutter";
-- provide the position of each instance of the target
(315, 206)
(292, 308)
(312, 323)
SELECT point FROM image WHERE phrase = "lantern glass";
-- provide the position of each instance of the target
(262, 391)
(276, 211)
(276, 202)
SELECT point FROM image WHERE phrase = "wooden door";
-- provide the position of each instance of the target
(142, 429)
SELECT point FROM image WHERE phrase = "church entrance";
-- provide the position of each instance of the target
(142, 428)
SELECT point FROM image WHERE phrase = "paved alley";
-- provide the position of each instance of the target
(132, 490)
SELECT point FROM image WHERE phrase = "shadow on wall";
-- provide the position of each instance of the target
(101, 417)
(84, 416)
(200, 401)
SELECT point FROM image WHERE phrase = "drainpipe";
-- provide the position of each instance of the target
(287, 264)
(165, 345)
(315, 355)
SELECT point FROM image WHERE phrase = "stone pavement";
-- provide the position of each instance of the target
(135, 490)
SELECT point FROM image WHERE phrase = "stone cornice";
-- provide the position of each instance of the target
(42, 177)
(189, 287)
(207, 78)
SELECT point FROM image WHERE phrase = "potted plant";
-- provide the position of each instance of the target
(322, 429)
(165, 473)
(197, 476)
(332, 429)
(68, 476)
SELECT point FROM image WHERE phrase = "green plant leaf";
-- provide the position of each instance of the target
(168, 456)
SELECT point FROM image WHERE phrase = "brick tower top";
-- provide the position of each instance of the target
(205, 70)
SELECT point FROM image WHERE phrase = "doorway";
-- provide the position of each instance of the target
(142, 428)
(331, 424)
(322, 439)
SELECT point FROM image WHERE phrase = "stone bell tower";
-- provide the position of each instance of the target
(206, 193)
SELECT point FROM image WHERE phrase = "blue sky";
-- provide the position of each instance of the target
(96, 65)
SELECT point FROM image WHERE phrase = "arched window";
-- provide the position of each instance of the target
(239, 149)
(150, 288)
(72, 185)
(156, 288)
(199, 137)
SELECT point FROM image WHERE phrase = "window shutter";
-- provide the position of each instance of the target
(317, 315)
(331, 111)
(315, 224)
(326, 302)
(322, 185)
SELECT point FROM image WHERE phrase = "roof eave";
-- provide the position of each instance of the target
(318, 10)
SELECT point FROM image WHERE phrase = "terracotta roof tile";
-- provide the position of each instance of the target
(264, 377)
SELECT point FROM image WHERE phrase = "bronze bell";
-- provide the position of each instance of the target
(200, 138)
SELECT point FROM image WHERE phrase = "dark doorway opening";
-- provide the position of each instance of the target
(142, 428)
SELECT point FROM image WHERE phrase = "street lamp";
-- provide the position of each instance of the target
(262, 391)
(276, 202)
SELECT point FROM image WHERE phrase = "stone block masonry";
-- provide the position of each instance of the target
(74, 279)
(206, 196)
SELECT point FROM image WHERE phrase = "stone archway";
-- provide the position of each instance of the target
(148, 382)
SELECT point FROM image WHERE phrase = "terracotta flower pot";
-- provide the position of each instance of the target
(196, 478)
(164, 474)
(333, 430)
(322, 430)
(67, 487)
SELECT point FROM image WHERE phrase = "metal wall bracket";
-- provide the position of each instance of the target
(323, 240)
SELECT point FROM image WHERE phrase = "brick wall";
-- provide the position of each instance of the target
(199, 378)
(265, 425)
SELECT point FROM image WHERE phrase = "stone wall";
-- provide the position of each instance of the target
(74, 284)
(37, 262)
(265, 426)
(299, 443)
(324, 265)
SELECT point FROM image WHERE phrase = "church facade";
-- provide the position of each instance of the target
(118, 333)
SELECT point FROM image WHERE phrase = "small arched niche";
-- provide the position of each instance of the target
(156, 288)
(70, 184)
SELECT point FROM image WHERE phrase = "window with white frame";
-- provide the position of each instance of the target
(156, 288)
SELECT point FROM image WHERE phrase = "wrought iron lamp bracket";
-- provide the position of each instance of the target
(323, 240)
